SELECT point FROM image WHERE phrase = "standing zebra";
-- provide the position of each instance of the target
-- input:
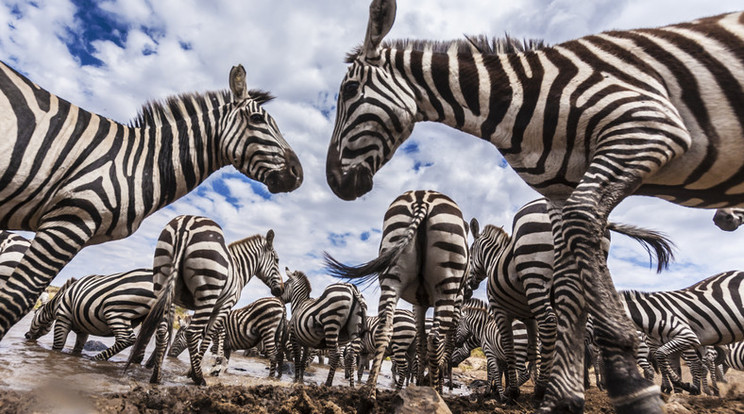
(401, 349)
(259, 324)
(586, 123)
(520, 276)
(729, 219)
(78, 179)
(337, 316)
(423, 258)
(101, 305)
(12, 248)
(194, 269)
(709, 312)
(476, 322)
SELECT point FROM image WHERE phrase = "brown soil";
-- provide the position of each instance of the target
(282, 399)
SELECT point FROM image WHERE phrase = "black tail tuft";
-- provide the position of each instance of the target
(662, 247)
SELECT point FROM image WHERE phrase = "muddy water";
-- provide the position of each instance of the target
(33, 365)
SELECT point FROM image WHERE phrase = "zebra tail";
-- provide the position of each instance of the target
(650, 240)
(366, 273)
(157, 314)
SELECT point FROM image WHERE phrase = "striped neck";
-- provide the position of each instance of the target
(245, 256)
(180, 136)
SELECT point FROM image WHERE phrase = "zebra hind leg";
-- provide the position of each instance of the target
(161, 342)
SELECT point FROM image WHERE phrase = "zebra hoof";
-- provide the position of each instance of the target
(694, 390)
(511, 394)
(155, 379)
(539, 393)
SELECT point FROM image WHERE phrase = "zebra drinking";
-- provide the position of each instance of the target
(586, 123)
(423, 257)
(101, 305)
(193, 268)
(78, 179)
(336, 317)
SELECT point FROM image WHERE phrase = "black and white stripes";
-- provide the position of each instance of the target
(77, 178)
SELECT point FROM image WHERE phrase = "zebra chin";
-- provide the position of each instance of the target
(277, 291)
(350, 185)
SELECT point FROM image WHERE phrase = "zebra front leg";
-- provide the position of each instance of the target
(270, 347)
(54, 245)
(220, 362)
(61, 331)
(504, 325)
(124, 338)
(493, 373)
(80, 341)
(684, 340)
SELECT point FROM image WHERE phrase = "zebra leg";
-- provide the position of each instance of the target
(272, 352)
(685, 339)
(220, 362)
(493, 373)
(124, 338)
(54, 245)
(331, 342)
(61, 331)
(386, 308)
(80, 341)
(504, 325)
(420, 312)
(694, 361)
(161, 343)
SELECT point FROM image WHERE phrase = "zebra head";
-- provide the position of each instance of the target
(296, 288)
(268, 266)
(486, 248)
(729, 219)
(375, 112)
(250, 139)
(462, 332)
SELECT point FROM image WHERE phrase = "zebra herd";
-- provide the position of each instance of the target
(586, 123)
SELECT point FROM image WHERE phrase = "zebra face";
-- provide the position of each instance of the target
(268, 268)
(40, 325)
(251, 141)
(375, 114)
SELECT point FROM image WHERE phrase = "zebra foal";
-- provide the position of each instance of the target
(586, 123)
(74, 198)
(423, 258)
(194, 269)
(100, 305)
(336, 317)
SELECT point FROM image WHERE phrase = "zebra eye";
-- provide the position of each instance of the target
(350, 89)
(256, 118)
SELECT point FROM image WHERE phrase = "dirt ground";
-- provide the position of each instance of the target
(311, 399)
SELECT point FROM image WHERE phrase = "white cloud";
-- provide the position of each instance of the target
(295, 49)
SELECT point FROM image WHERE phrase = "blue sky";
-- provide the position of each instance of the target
(112, 56)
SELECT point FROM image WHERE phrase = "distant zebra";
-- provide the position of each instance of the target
(194, 269)
(334, 318)
(729, 219)
(78, 179)
(402, 347)
(257, 325)
(519, 269)
(586, 123)
(709, 312)
(423, 258)
(12, 248)
(476, 322)
(110, 305)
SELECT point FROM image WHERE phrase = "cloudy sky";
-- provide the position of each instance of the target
(112, 56)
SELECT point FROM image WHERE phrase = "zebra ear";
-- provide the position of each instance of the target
(237, 83)
(270, 237)
(381, 18)
(475, 227)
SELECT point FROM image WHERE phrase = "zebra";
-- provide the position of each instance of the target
(709, 312)
(12, 248)
(476, 322)
(258, 324)
(728, 219)
(73, 198)
(586, 123)
(401, 348)
(193, 268)
(337, 316)
(101, 305)
(423, 259)
(520, 276)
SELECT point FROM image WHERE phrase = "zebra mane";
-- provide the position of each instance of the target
(298, 276)
(158, 112)
(492, 232)
(243, 242)
(474, 304)
(482, 44)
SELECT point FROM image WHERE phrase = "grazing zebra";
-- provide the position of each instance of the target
(336, 317)
(258, 324)
(401, 349)
(100, 305)
(709, 312)
(423, 259)
(586, 123)
(78, 179)
(729, 219)
(476, 322)
(520, 276)
(12, 248)
(194, 269)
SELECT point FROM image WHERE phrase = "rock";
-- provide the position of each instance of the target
(414, 400)
(94, 346)
(674, 407)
